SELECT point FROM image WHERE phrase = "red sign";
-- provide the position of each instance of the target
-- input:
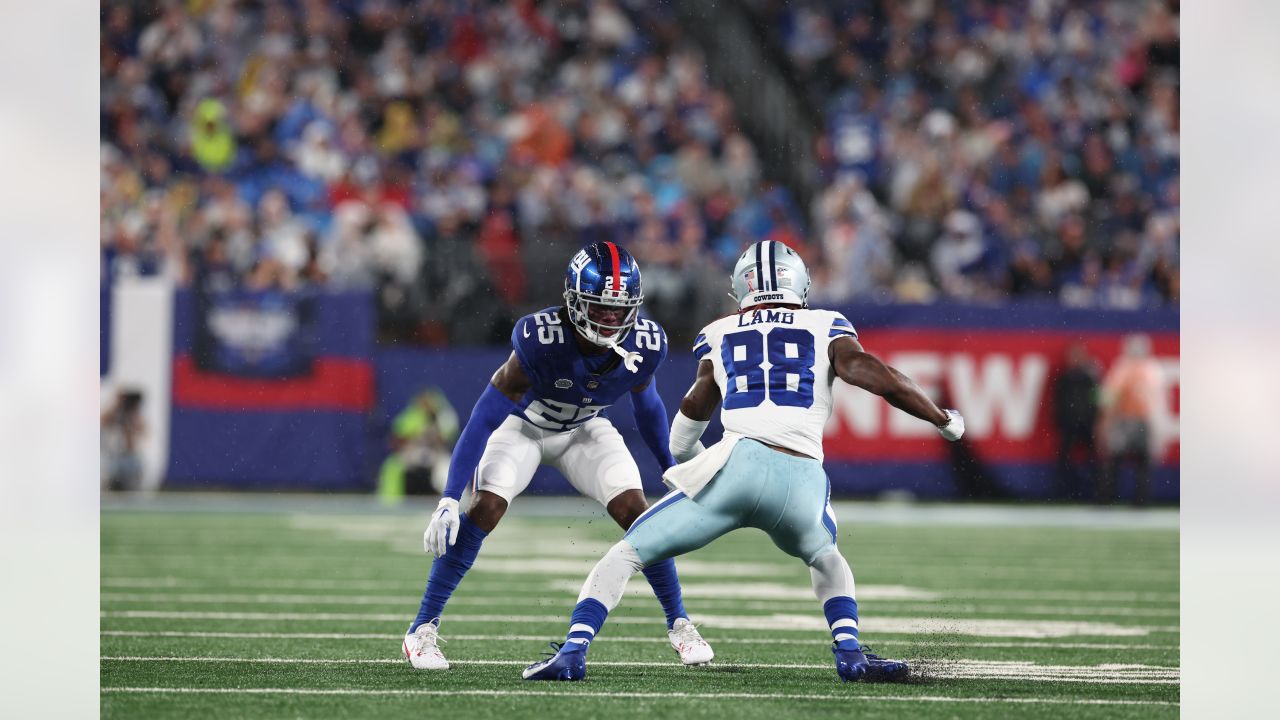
(1001, 381)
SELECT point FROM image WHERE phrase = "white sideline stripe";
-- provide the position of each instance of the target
(522, 564)
(865, 592)
(635, 695)
(971, 669)
(721, 602)
(1037, 629)
(623, 639)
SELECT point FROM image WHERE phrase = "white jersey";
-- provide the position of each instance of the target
(775, 374)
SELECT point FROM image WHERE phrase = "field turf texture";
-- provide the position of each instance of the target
(294, 606)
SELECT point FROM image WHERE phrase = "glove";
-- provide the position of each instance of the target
(954, 427)
(443, 530)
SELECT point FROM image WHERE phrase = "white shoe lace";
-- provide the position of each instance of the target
(428, 638)
(687, 634)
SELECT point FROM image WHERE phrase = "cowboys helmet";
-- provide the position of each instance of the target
(602, 274)
(770, 272)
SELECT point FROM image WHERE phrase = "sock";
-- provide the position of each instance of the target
(588, 618)
(842, 618)
(447, 571)
(662, 576)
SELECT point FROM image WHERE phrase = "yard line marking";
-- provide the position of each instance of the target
(623, 639)
(1036, 629)
(1114, 674)
(864, 592)
(416, 587)
(635, 695)
(705, 601)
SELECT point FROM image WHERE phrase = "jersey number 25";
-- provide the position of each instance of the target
(789, 380)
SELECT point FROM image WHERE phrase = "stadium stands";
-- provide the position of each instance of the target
(449, 154)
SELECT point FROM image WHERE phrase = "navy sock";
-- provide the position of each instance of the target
(448, 569)
(588, 618)
(666, 585)
(842, 618)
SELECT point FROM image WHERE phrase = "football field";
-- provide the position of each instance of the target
(280, 606)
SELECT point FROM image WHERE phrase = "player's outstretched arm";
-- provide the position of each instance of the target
(651, 420)
(862, 369)
(507, 386)
(695, 413)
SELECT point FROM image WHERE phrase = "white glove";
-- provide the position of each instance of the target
(443, 530)
(954, 427)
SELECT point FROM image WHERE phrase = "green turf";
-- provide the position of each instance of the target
(193, 602)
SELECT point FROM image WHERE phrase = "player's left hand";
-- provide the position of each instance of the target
(443, 530)
(954, 427)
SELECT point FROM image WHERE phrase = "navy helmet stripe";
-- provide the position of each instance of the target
(759, 268)
(773, 265)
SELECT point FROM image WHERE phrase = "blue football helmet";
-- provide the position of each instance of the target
(602, 274)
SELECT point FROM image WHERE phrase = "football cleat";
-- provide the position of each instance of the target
(688, 644)
(853, 664)
(568, 662)
(421, 647)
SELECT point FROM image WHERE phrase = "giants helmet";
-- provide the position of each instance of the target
(602, 274)
(769, 272)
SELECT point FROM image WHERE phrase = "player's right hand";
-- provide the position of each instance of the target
(443, 530)
(954, 427)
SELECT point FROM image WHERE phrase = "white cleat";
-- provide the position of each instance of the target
(688, 644)
(420, 646)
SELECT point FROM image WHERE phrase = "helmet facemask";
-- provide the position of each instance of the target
(599, 331)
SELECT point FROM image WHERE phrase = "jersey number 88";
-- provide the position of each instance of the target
(790, 351)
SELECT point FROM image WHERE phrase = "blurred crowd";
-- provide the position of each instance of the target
(452, 153)
(982, 150)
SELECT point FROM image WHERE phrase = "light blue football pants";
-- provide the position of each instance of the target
(786, 496)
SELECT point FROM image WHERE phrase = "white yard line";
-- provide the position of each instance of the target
(632, 695)
(1115, 674)
(1035, 629)
(638, 589)
(656, 640)
(415, 586)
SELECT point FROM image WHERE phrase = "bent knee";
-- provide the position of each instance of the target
(627, 507)
(486, 510)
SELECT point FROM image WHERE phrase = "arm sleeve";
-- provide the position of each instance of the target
(651, 419)
(491, 409)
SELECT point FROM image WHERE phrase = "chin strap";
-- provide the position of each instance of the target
(630, 360)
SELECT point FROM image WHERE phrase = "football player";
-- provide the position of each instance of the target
(543, 406)
(770, 367)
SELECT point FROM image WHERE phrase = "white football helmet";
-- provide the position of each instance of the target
(770, 272)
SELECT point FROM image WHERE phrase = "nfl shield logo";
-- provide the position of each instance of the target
(564, 383)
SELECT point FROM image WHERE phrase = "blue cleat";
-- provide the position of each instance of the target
(569, 662)
(852, 664)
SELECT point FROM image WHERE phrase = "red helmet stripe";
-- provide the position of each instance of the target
(617, 266)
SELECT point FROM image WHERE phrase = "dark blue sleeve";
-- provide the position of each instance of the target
(651, 412)
(491, 409)
(526, 352)
(653, 423)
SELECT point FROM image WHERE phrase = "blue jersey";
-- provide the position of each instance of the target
(569, 388)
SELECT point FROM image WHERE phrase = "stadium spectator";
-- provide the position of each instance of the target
(1129, 395)
(1049, 123)
(121, 438)
(1075, 415)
